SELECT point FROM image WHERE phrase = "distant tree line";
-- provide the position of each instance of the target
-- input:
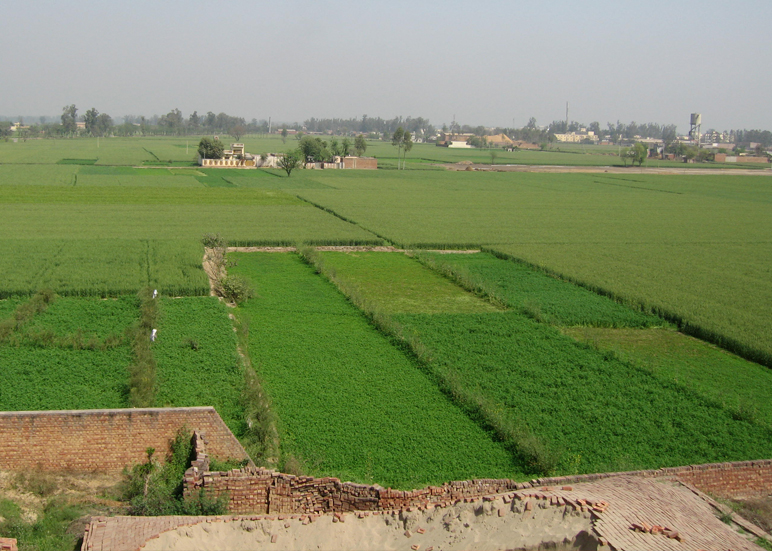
(173, 123)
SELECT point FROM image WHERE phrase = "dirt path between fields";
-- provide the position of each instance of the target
(557, 169)
(346, 249)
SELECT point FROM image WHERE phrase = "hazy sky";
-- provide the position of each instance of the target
(493, 62)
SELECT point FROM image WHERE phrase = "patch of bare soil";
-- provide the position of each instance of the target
(757, 511)
(33, 490)
(490, 526)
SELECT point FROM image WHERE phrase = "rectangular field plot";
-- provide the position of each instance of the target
(393, 282)
(88, 317)
(197, 363)
(593, 413)
(742, 387)
(350, 404)
(27, 175)
(540, 296)
(101, 267)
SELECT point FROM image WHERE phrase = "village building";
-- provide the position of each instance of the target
(454, 140)
(577, 137)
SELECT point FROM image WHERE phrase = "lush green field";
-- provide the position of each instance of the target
(115, 238)
(349, 403)
(595, 413)
(197, 363)
(70, 356)
(742, 387)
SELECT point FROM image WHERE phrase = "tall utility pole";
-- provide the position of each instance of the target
(566, 117)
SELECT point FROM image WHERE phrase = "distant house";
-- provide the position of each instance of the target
(235, 157)
(577, 137)
(367, 163)
(454, 140)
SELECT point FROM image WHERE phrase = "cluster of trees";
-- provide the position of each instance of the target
(315, 149)
(418, 126)
(635, 154)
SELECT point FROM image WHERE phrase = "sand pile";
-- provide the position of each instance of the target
(496, 524)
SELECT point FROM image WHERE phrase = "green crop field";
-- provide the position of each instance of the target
(349, 403)
(537, 294)
(105, 218)
(70, 356)
(742, 387)
(592, 412)
(394, 283)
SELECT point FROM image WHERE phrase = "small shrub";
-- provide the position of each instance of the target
(236, 289)
(154, 489)
(213, 241)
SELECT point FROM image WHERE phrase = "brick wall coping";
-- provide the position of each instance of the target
(116, 411)
(663, 472)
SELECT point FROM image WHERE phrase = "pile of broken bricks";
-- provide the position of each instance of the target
(656, 529)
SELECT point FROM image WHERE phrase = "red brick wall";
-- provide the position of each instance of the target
(258, 491)
(104, 440)
(360, 162)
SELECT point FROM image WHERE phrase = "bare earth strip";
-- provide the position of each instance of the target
(613, 169)
(581, 516)
(343, 249)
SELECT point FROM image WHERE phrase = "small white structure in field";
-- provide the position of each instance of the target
(155, 293)
(153, 334)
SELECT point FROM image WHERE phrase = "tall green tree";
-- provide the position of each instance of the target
(290, 161)
(91, 117)
(69, 114)
(639, 153)
(210, 149)
(104, 124)
(360, 145)
(345, 147)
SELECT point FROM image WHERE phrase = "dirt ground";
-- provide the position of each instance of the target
(758, 511)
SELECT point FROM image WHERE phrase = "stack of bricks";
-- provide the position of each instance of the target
(8, 544)
(733, 480)
(104, 440)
